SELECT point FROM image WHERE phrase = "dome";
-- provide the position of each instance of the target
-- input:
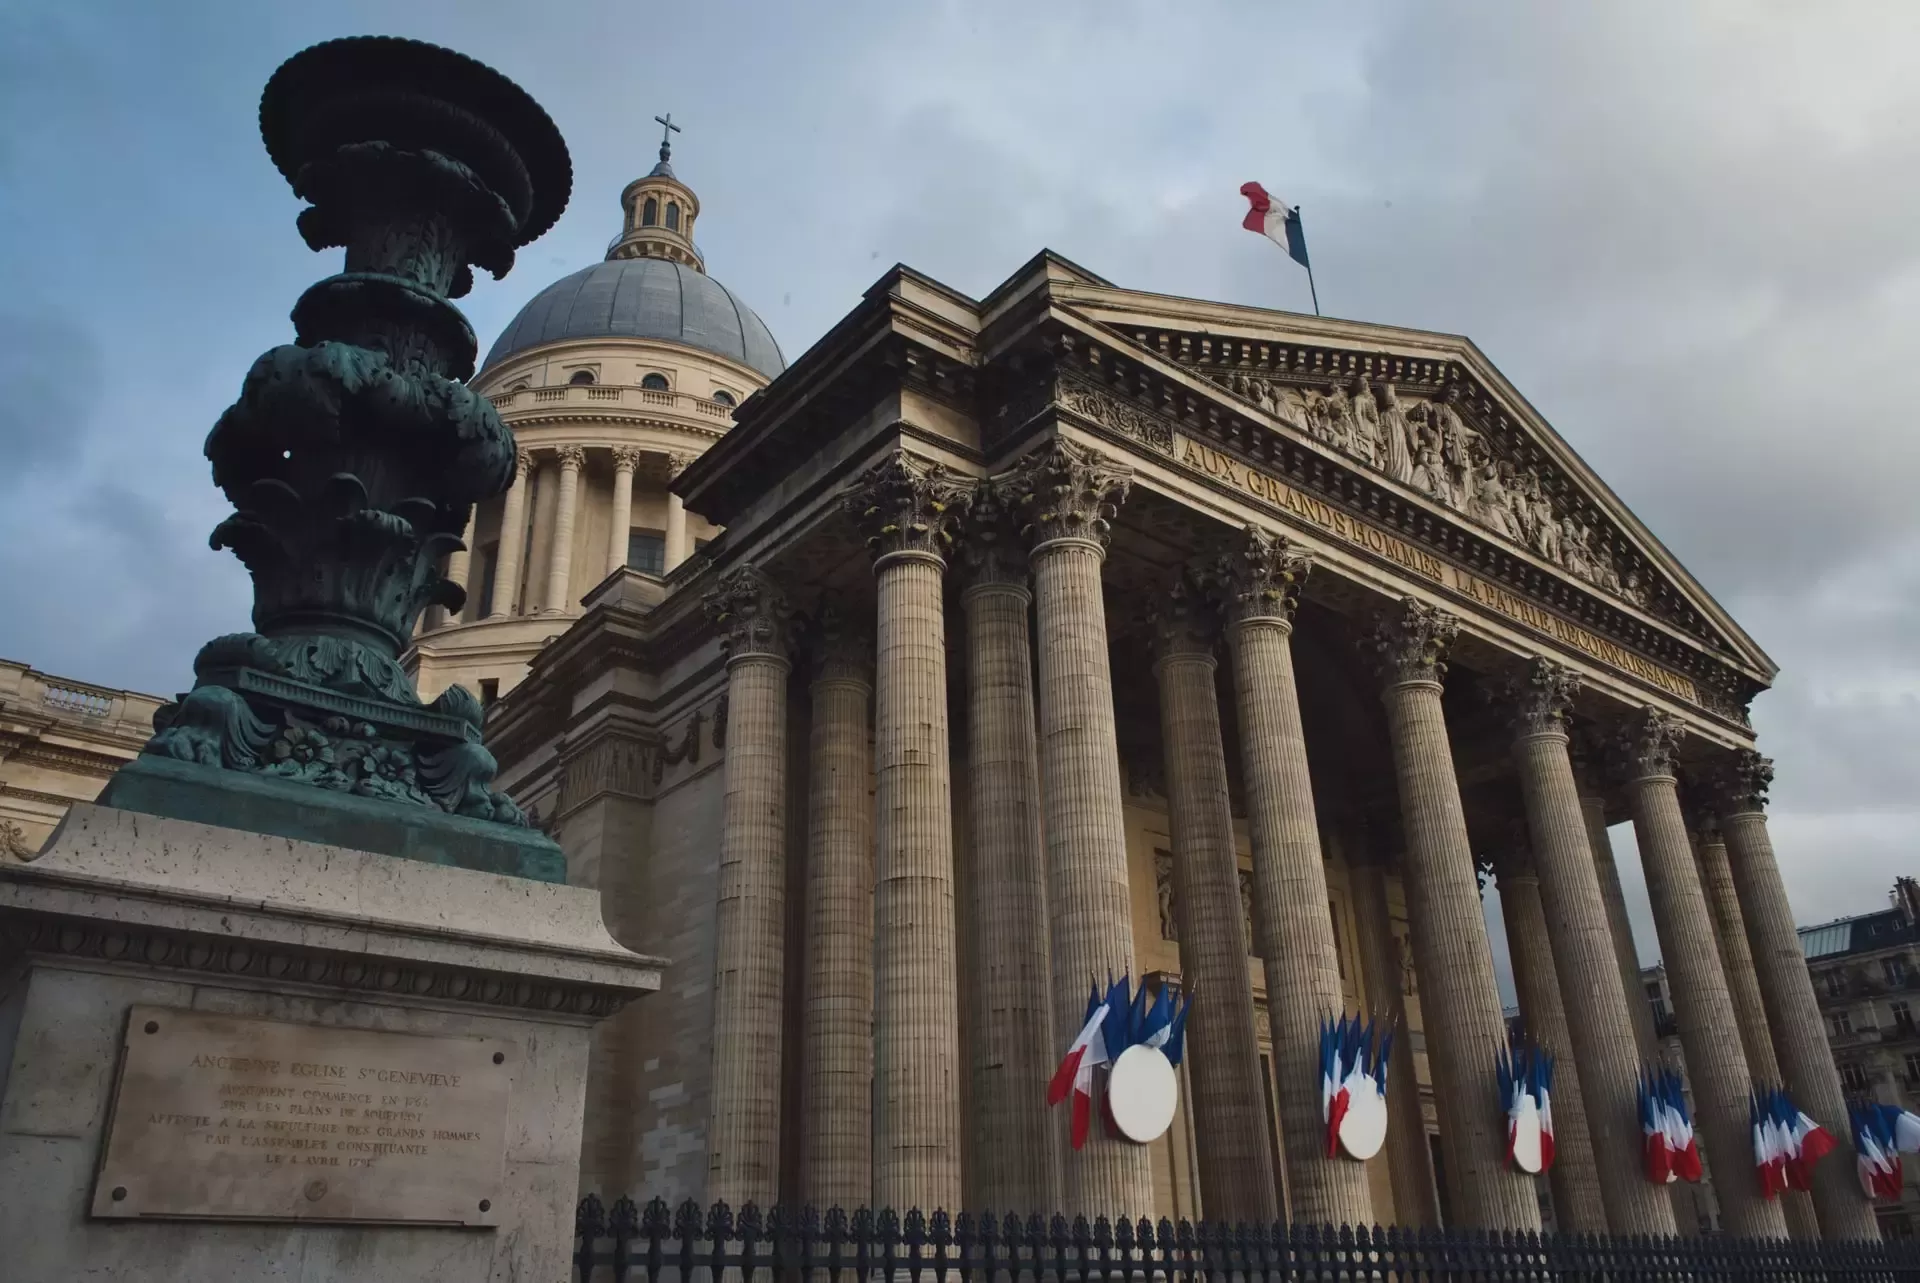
(643, 298)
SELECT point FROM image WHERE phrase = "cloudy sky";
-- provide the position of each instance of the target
(1684, 231)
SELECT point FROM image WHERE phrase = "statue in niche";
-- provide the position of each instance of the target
(1367, 444)
(1397, 434)
(1163, 894)
(1246, 912)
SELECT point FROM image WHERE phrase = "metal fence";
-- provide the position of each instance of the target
(690, 1244)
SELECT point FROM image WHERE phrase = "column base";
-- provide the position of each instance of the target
(317, 944)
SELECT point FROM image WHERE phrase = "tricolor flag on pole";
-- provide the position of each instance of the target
(1280, 223)
(1075, 1074)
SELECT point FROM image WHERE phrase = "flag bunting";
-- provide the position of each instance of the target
(1354, 1053)
(1672, 1152)
(1525, 1071)
(1786, 1142)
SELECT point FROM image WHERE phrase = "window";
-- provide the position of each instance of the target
(647, 551)
(673, 216)
(483, 567)
(580, 376)
(1913, 1066)
(1902, 1015)
(1853, 1077)
(725, 397)
(655, 383)
(519, 385)
(1836, 983)
(1895, 969)
(489, 691)
(1842, 1023)
(650, 212)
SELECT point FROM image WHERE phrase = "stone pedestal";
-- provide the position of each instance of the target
(126, 909)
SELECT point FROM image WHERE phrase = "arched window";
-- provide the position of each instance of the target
(724, 397)
(655, 383)
(673, 215)
(581, 376)
(519, 386)
(650, 212)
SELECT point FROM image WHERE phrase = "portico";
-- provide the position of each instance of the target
(1207, 644)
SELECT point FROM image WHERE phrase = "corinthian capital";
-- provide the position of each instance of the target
(1409, 643)
(989, 535)
(1185, 621)
(1741, 784)
(839, 643)
(1647, 743)
(1066, 491)
(571, 456)
(903, 504)
(751, 614)
(1262, 575)
(1539, 696)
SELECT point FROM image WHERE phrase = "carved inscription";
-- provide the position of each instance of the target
(231, 1118)
(1425, 564)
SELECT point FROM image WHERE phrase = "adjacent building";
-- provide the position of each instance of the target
(59, 741)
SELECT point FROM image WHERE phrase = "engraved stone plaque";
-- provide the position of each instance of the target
(229, 1118)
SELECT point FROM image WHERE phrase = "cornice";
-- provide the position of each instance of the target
(543, 416)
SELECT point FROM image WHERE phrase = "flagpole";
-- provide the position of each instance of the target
(1311, 289)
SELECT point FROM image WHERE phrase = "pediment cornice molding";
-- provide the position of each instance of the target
(1130, 388)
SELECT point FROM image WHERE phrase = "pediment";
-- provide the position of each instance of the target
(1430, 417)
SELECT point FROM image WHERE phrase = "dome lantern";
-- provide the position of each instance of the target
(660, 211)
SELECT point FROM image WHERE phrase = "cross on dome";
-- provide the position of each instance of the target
(667, 130)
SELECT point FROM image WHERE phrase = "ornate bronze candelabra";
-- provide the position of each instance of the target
(353, 458)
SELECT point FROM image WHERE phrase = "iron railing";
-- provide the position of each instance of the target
(691, 1244)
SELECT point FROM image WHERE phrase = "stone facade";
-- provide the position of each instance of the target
(1210, 645)
(59, 742)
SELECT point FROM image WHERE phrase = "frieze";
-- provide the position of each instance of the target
(1115, 415)
(1432, 568)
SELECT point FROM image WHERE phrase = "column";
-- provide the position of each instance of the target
(1593, 810)
(1409, 1160)
(1709, 1034)
(905, 508)
(1577, 1205)
(1013, 1051)
(1743, 983)
(620, 525)
(1793, 1013)
(743, 1126)
(1291, 919)
(560, 557)
(678, 549)
(1227, 1100)
(1563, 919)
(1459, 1002)
(459, 563)
(513, 538)
(837, 1091)
(1067, 494)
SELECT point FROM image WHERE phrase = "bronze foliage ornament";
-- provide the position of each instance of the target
(355, 453)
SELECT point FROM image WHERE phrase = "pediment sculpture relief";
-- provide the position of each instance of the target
(1426, 444)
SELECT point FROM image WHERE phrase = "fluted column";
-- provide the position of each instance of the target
(743, 1127)
(1459, 1001)
(1593, 810)
(1409, 1159)
(1227, 1099)
(1013, 1050)
(1569, 932)
(837, 1088)
(905, 507)
(459, 567)
(1577, 1204)
(1786, 988)
(1067, 493)
(677, 549)
(1703, 1009)
(1262, 579)
(560, 556)
(1743, 983)
(513, 538)
(620, 523)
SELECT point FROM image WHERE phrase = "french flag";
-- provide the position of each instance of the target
(1075, 1074)
(1672, 1152)
(1277, 221)
(1875, 1129)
